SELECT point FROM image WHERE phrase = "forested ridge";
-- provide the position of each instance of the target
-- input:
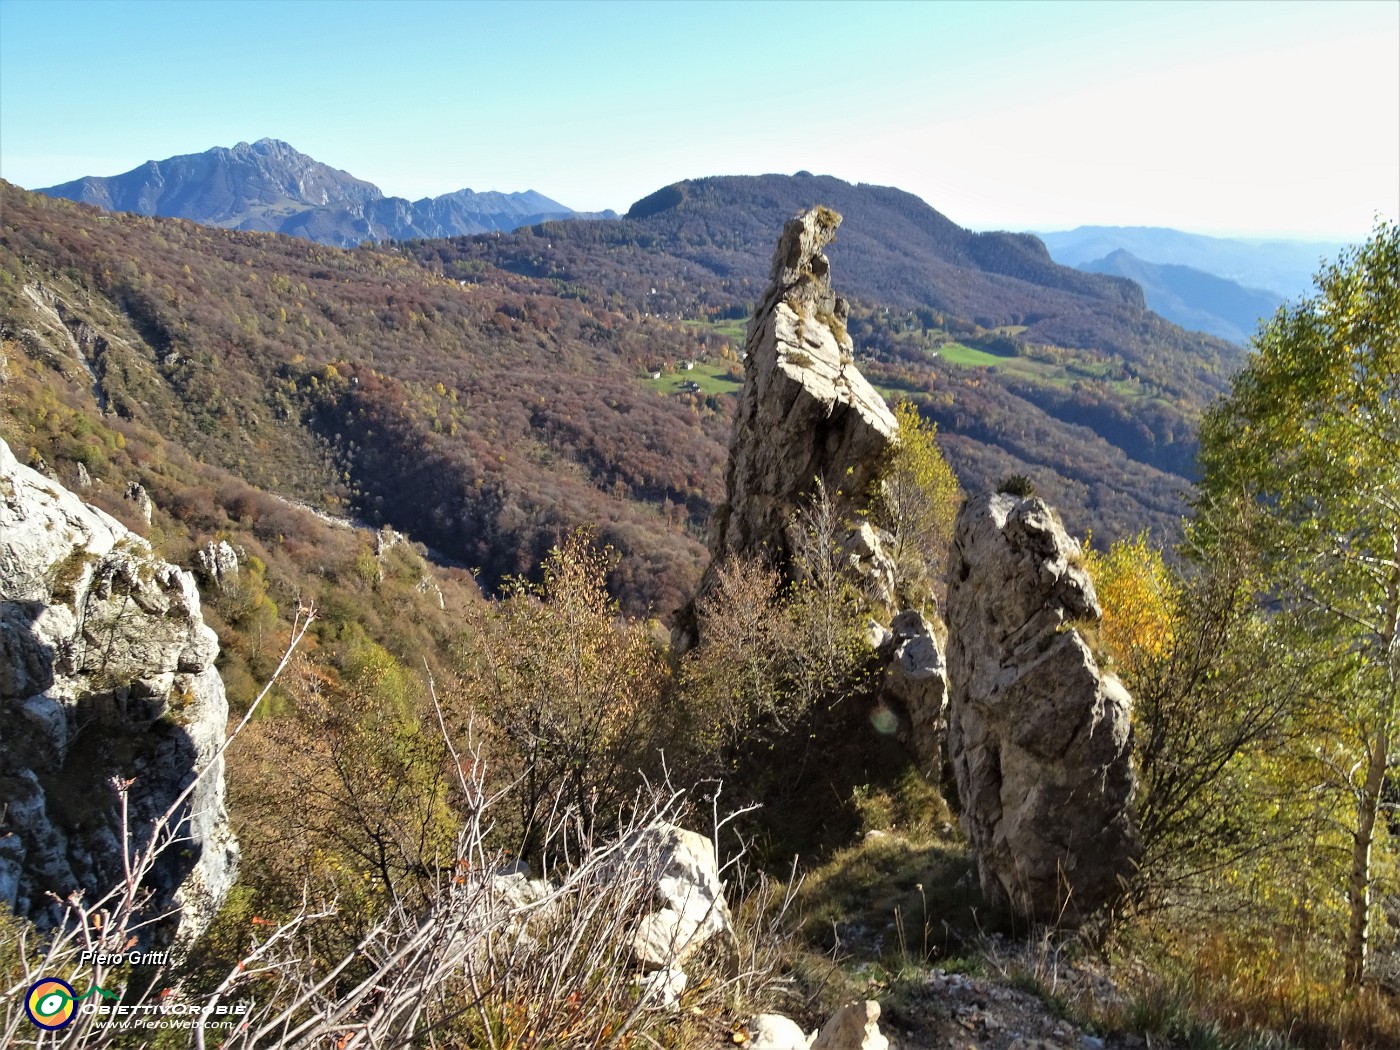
(486, 420)
(1075, 383)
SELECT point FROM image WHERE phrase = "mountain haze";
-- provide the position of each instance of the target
(251, 186)
(1192, 298)
(269, 186)
(701, 248)
(1284, 267)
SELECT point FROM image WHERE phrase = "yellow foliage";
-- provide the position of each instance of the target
(1250, 980)
(1139, 600)
(918, 502)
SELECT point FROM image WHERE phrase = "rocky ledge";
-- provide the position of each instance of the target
(106, 671)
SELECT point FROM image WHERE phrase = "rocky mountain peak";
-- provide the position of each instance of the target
(271, 186)
(251, 186)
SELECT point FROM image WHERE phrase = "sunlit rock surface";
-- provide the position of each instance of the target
(1039, 737)
(106, 670)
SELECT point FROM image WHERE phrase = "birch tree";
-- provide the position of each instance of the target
(1310, 436)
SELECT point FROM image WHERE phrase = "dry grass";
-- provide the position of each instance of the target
(1272, 987)
(1217, 990)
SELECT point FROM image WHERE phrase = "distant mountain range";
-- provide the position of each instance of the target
(1220, 285)
(1217, 285)
(1192, 298)
(1283, 267)
(267, 185)
(1027, 365)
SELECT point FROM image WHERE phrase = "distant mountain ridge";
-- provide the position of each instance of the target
(894, 249)
(1285, 267)
(269, 186)
(1193, 298)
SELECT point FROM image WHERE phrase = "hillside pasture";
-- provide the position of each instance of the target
(710, 377)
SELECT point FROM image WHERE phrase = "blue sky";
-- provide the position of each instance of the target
(1269, 118)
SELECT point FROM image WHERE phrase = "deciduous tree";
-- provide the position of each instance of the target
(574, 689)
(1310, 437)
(1214, 728)
(918, 503)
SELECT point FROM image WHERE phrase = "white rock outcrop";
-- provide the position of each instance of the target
(1038, 736)
(106, 670)
(867, 553)
(137, 494)
(218, 564)
(682, 872)
(856, 1026)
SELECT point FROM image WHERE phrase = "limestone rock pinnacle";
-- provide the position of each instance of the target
(805, 411)
(1038, 736)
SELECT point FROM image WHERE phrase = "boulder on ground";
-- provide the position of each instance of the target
(856, 1026)
(682, 873)
(775, 1032)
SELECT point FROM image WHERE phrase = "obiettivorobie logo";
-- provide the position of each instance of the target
(52, 1003)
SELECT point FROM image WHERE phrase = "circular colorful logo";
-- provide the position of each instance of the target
(49, 1003)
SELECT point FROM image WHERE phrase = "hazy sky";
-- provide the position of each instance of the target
(1256, 117)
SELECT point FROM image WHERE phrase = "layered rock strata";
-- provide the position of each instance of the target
(106, 671)
(805, 412)
(1039, 736)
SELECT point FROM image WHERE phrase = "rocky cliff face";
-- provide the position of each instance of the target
(805, 411)
(1038, 736)
(106, 670)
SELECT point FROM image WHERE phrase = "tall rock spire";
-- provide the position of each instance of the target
(1039, 737)
(805, 412)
